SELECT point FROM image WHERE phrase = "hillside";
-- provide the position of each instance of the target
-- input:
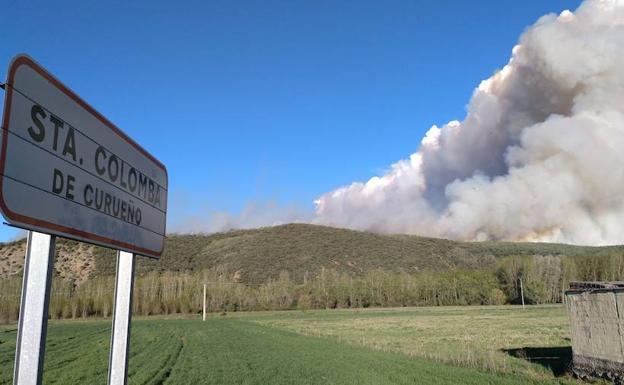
(259, 254)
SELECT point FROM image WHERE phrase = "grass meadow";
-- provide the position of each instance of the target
(436, 345)
(489, 338)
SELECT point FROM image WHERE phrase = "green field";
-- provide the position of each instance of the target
(456, 345)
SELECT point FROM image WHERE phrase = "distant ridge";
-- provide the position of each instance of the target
(257, 255)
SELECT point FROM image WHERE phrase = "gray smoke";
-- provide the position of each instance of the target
(539, 155)
(254, 214)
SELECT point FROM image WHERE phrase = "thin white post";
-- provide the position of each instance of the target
(122, 313)
(204, 312)
(522, 293)
(33, 318)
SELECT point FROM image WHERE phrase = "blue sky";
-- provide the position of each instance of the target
(269, 102)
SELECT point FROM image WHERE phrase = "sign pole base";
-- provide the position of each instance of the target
(33, 318)
(122, 313)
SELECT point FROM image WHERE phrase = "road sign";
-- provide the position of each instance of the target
(66, 170)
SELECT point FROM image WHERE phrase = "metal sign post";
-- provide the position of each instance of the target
(33, 318)
(122, 313)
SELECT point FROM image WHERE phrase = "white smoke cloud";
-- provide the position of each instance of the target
(253, 215)
(539, 155)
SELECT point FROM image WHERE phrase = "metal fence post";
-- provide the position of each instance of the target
(522, 293)
(122, 314)
(33, 318)
(204, 304)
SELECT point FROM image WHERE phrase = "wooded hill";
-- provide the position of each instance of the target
(257, 255)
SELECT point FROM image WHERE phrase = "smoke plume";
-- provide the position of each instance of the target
(539, 155)
(254, 214)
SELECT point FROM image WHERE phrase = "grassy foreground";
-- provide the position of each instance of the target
(341, 347)
(482, 337)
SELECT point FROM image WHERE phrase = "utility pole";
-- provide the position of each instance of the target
(522, 293)
(204, 311)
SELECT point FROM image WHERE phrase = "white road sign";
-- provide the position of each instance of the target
(68, 171)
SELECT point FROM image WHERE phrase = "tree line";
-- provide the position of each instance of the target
(545, 278)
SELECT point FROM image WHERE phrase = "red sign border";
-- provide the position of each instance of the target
(18, 219)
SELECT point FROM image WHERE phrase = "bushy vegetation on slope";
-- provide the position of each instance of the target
(311, 267)
(303, 250)
(544, 278)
